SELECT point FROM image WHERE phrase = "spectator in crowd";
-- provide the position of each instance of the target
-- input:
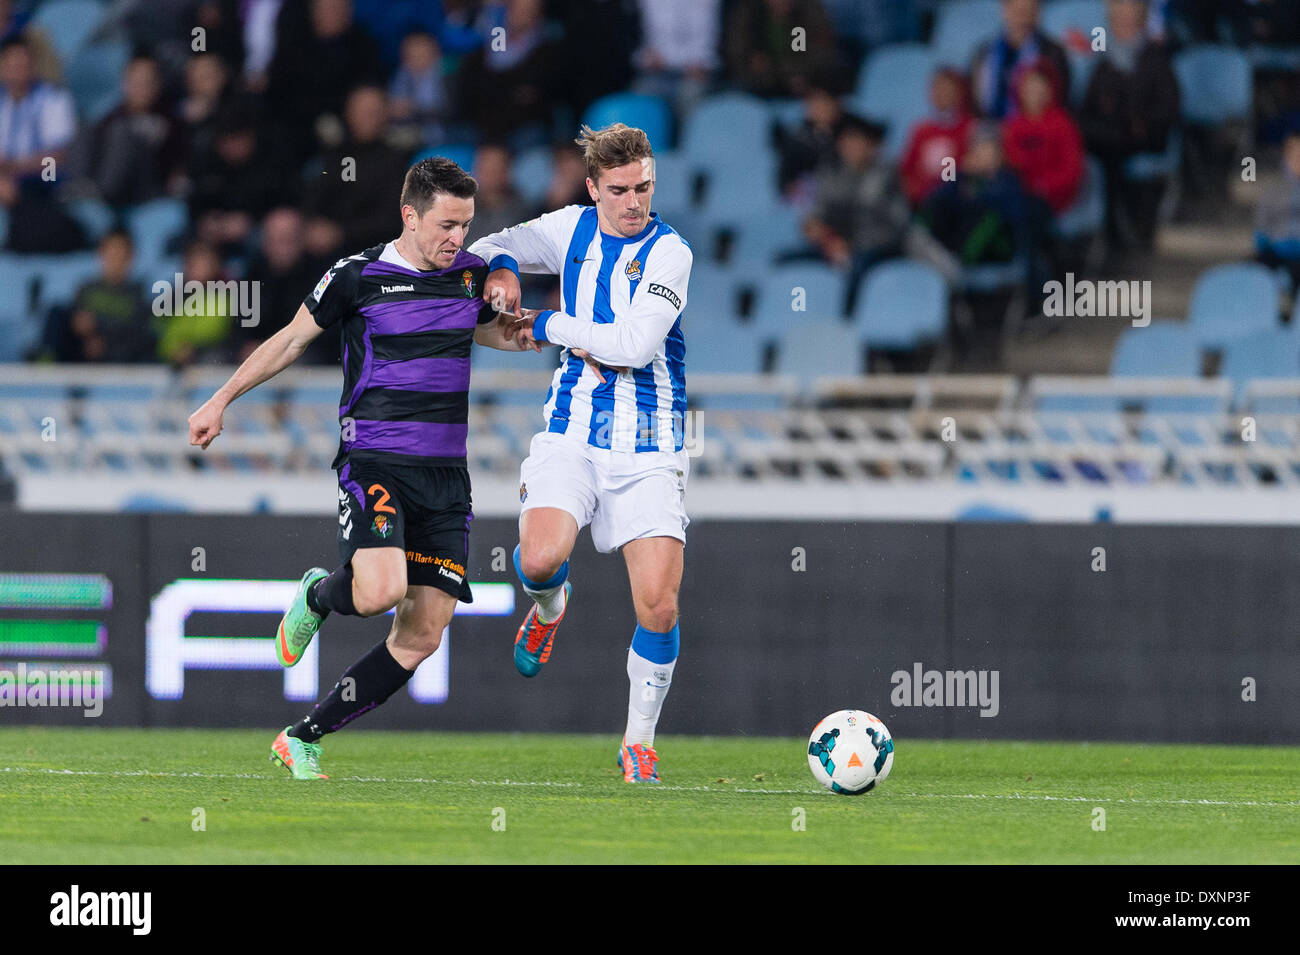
(285, 274)
(351, 205)
(979, 218)
(766, 55)
(568, 185)
(15, 21)
(810, 146)
(1131, 106)
(109, 320)
(679, 50)
(136, 152)
(1277, 217)
(37, 124)
(497, 204)
(261, 21)
(207, 88)
(600, 40)
(202, 331)
(1021, 42)
(237, 183)
(859, 214)
(508, 94)
(418, 94)
(1042, 143)
(937, 143)
(311, 73)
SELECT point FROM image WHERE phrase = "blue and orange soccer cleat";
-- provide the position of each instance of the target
(534, 640)
(638, 762)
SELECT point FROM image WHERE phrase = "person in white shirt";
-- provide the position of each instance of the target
(611, 453)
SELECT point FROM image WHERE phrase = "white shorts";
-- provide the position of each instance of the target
(623, 495)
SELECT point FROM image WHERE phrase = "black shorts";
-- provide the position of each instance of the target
(424, 511)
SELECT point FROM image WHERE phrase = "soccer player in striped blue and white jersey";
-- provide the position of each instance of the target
(611, 453)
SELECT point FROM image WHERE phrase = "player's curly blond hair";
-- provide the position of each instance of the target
(615, 145)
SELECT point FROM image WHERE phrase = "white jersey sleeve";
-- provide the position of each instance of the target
(635, 336)
(537, 245)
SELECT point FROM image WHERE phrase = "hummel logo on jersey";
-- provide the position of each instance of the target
(396, 288)
(667, 293)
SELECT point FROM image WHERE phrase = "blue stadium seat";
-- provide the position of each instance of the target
(727, 129)
(69, 24)
(153, 225)
(811, 348)
(94, 215)
(1271, 354)
(94, 77)
(1216, 84)
(961, 27)
(1160, 350)
(894, 88)
(736, 196)
(532, 173)
(716, 344)
(757, 247)
(787, 113)
(1232, 301)
(60, 276)
(822, 296)
(902, 304)
(1064, 18)
(483, 358)
(647, 112)
(674, 184)
(1087, 214)
(712, 293)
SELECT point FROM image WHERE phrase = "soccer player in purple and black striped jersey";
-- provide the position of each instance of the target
(408, 312)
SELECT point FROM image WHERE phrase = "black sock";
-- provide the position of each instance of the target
(333, 593)
(374, 678)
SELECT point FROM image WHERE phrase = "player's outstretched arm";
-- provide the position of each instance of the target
(271, 357)
(494, 334)
(534, 246)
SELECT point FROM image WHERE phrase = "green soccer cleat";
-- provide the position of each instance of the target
(301, 759)
(299, 623)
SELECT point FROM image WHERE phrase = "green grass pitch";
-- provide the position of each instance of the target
(129, 796)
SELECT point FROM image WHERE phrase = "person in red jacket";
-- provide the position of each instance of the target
(1042, 143)
(939, 139)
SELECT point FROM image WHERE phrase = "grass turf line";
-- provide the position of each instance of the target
(433, 797)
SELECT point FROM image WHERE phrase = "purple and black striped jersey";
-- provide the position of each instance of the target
(406, 342)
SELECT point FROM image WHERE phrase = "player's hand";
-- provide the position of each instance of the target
(205, 424)
(594, 365)
(501, 291)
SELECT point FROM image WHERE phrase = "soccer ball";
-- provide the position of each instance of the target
(850, 752)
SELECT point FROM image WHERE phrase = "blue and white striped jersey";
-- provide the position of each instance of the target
(622, 301)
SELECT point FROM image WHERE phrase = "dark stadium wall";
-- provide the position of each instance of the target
(1102, 632)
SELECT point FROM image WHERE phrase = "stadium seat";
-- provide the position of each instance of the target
(786, 113)
(822, 296)
(153, 225)
(727, 129)
(756, 248)
(532, 173)
(1087, 214)
(94, 215)
(674, 184)
(736, 196)
(1062, 16)
(902, 304)
(894, 88)
(813, 348)
(1216, 84)
(1071, 23)
(69, 24)
(94, 77)
(1162, 349)
(1232, 301)
(1271, 354)
(716, 343)
(712, 293)
(60, 276)
(647, 112)
(961, 27)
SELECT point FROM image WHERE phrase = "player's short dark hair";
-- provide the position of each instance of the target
(616, 145)
(435, 176)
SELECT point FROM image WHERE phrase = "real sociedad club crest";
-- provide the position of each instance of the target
(467, 281)
(634, 270)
